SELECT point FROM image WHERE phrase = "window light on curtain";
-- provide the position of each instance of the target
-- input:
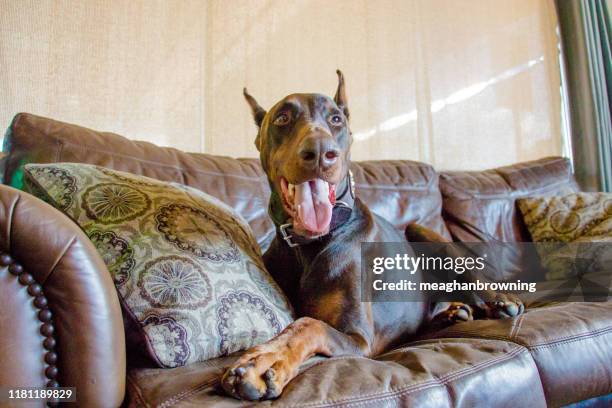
(459, 84)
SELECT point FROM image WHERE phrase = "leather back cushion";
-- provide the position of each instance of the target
(400, 191)
(487, 199)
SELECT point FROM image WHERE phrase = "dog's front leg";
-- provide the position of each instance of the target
(263, 371)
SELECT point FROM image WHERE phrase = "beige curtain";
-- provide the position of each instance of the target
(134, 67)
(461, 84)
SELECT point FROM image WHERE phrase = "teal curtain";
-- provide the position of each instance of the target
(586, 32)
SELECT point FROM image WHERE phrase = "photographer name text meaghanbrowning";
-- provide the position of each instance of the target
(459, 265)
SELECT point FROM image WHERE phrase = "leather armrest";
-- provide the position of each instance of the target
(60, 318)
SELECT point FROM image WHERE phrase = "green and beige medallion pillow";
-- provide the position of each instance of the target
(186, 266)
(576, 230)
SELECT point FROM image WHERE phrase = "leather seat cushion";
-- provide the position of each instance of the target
(446, 372)
(569, 342)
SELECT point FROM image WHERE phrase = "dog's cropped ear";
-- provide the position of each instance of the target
(257, 111)
(340, 97)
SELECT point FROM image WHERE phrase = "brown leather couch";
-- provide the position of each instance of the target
(61, 322)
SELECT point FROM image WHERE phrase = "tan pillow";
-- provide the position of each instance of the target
(187, 267)
(576, 220)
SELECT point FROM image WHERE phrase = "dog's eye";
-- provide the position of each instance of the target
(335, 119)
(282, 119)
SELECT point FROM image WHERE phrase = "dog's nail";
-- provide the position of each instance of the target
(512, 309)
(462, 314)
(271, 392)
(249, 391)
(269, 374)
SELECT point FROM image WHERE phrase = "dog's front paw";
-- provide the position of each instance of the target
(261, 373)
(504, 305)
(453, 312)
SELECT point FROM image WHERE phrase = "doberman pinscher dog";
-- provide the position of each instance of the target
(304, 143)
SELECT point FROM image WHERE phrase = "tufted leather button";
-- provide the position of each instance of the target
(17, 269)
(5, 259)
(24, 278)
(49, 343)
(51, 372)
(40, 302)
(51, 358)
(35, 289)
(47, 329)
(45, 315)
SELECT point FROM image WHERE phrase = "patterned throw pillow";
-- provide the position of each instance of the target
(186, 266)
(569, 226)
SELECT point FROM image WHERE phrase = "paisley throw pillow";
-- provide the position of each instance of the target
(186, 266)
(574, 232)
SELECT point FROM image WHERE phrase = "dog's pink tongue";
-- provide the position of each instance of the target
(313, 205)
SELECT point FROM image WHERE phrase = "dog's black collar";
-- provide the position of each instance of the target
(340, 214)
(348, 195)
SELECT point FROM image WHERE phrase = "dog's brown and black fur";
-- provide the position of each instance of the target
(304, 137)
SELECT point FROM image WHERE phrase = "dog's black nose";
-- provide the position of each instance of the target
(318, 151)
